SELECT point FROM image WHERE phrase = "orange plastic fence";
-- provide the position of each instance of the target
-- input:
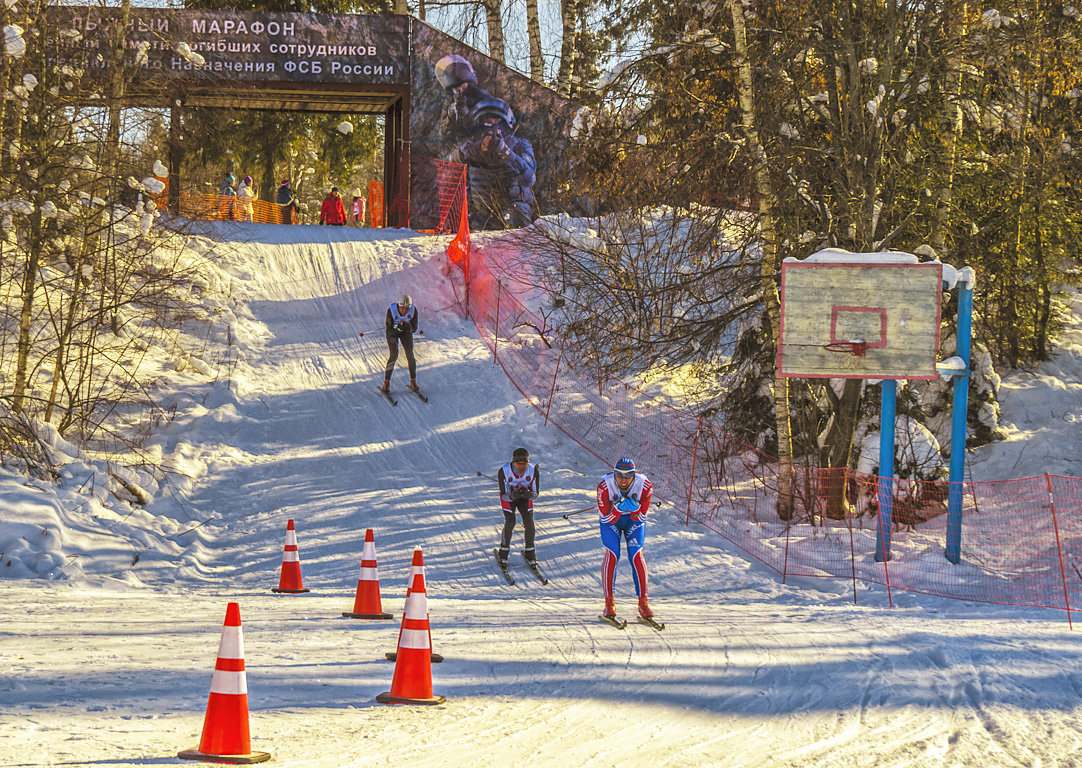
(448, 198)
(228, 208)
(375, 203)
(1021, 539)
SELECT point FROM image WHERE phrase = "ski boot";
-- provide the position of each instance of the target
(530, 556)
(644, 608)
(413, 385)
(501, 556)
(610, 608)
(386, 385)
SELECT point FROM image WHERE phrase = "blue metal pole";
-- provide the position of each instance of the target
(886, 469)
(958, 426)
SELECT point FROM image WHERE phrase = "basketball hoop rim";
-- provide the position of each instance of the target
(855, 348)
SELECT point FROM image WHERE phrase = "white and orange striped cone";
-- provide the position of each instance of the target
(290, 578)
(367, 604)
(412, 681)
(417, 566)
(225, 728)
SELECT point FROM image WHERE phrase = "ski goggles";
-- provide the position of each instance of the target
(624, 474)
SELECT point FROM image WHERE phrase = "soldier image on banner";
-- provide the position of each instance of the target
(459, 83)
(478, 130)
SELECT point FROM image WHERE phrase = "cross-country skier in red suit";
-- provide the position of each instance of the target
(623, 501)
(520, 482)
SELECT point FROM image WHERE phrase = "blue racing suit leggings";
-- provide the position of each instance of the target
(634, 533)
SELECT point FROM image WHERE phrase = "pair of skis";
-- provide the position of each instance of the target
(621, 623)
(392, 401)
(616, 621)
(535, 569)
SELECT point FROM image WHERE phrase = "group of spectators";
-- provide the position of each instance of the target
(241, 210)
(333, 211)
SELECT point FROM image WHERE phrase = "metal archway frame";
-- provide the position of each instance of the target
(180, 58)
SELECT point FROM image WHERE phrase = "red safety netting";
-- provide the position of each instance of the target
(451, 194)
(1021, 539)
(438, 194)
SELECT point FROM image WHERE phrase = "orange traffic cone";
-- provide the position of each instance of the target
(412, 681)
(290, 579)
(417, 566)
(225, 728)
(367, 605)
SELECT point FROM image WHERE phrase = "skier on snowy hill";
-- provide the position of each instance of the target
(520, 482)
(623, 500)
(401, 324)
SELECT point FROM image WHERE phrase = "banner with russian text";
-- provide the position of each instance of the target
(240, 45)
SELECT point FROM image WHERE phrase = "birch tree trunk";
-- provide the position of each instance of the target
(494, 21)
(950, 134)
(26, 310)
(569, 19)
(66, 334)
(5, 75)
(769, 267)
(533, 28)
(109, 164)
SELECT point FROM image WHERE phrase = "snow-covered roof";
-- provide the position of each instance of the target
(951, 274)
(842, 256)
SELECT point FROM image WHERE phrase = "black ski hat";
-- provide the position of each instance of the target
(520, 454)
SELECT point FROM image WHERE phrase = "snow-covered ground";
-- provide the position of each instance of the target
(107, 655)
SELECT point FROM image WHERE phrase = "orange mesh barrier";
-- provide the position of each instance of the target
(375, 203)
(195, 205)
(1021, 539)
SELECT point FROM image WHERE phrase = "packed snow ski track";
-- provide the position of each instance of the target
(115, 670)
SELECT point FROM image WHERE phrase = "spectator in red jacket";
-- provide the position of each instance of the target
(333, 211)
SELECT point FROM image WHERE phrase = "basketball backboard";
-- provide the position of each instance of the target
(853, 320)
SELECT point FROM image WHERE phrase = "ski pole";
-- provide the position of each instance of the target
(490, 477)
(587, 509)
(578, 511)
(360, 335)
